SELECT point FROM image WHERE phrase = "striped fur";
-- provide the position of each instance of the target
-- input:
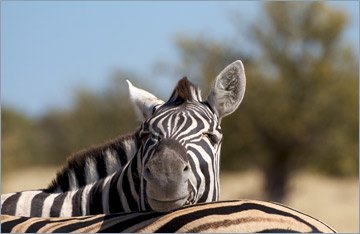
(111, 194)
(125, 190)
(90, 165)
(171, 161)
(242, 216)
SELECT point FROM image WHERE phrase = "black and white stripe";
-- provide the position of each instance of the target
(170, 161)
(122, 191)
(111, 194)
(95, 163)
(242, 216)
(192, 127)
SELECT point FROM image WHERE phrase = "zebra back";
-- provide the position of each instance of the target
(241, 216)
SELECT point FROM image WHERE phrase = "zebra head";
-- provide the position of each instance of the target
(181, 139)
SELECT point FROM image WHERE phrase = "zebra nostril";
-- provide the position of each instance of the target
(186, 168)
(147, 172)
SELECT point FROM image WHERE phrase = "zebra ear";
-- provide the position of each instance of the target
(144, 102)
(228, 89)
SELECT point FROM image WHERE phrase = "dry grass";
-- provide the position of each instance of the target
(27, 179)
(334, 201)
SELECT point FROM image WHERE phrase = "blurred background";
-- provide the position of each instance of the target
(294, 138)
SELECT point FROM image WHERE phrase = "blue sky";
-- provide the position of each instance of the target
(49, 49)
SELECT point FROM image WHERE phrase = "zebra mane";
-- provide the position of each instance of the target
(185, 91)
(94, 163)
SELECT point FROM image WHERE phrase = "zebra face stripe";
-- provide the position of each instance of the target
(180, 154)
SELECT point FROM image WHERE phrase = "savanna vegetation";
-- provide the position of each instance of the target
(300, 109)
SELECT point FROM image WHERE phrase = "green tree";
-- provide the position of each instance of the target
(93, 119)
(301, 104)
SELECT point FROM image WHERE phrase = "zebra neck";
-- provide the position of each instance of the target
(119, 192)
(104, 196)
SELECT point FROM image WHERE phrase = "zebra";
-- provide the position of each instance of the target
(170, 161)
(236, 216)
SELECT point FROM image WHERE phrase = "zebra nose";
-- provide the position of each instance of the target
(153, 172)
(169, 164)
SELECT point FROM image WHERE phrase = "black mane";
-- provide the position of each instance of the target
(185, 91)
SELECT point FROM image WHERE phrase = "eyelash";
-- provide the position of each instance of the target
(212, 138)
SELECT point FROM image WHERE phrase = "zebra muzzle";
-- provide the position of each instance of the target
(168, 205)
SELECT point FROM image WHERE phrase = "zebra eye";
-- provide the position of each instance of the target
(213, 138)
(144, 136)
